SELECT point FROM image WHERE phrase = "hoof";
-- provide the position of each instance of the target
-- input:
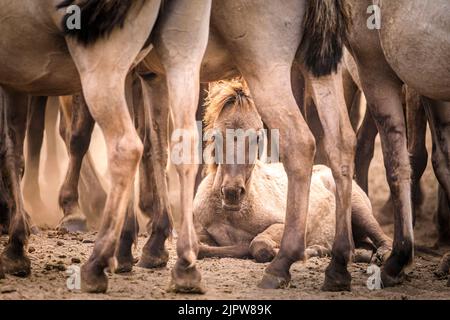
(186, 281)
(264, 255)
(444, 242)
(35, 230)
(73, 224)
(390, 280)
(93, 279)
(270, 281)
(382, 255)
(363, 256)
(124, 264)
(149, 261)
(16, 265)
(337, 280)
(263, 250)
(444, 267)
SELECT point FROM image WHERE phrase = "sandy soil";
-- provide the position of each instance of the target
(51, 254)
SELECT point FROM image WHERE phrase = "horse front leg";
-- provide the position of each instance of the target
(265, 245)
(79, 138)
(14, 117)
(340, 142)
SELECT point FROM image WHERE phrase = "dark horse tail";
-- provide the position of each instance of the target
(326, 28)
(98, 18)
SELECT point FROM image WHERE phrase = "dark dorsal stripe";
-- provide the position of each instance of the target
(98, 18)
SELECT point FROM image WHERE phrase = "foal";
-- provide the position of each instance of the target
(239, 209)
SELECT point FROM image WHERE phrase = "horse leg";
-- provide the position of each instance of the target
(443, 269)
(340, 142)
(364, 224)
(14, 258)
(82, 125)
(153, 200)
(443, 219)
(52, 165)
(92, 193)
(416, 123)
(35, 135)
(352, 96)
(103, 72)
(365, 147)
(385, 104)
(92, 196)
(438, 114)
(271, 89)
(128, 236)
(183, 85)
(264, 246)
(314, 124)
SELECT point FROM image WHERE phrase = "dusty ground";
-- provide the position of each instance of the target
(51, 254)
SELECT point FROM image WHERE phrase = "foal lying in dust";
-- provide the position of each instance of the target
(239, 209)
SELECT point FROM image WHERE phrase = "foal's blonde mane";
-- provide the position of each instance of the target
(225, 94)
(232, 94)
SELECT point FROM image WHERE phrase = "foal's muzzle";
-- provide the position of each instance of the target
(232, 197)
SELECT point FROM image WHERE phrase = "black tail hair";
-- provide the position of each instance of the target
(326, 30)
(98, 18)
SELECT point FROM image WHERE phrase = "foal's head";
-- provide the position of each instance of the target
(231, 115)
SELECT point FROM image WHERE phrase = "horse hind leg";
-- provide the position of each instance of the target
(153, 201)
(416, 123)
(264, 247)
(128, 237)
(103, 74)
(79, 137)
(443, 270)
(438, 114)
(14, 114)
(183, 84)
(297, 149)
(443, 219)
(35, 135)
(340, 142)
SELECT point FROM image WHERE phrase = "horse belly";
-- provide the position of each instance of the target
(415, 35)
(34, 58)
